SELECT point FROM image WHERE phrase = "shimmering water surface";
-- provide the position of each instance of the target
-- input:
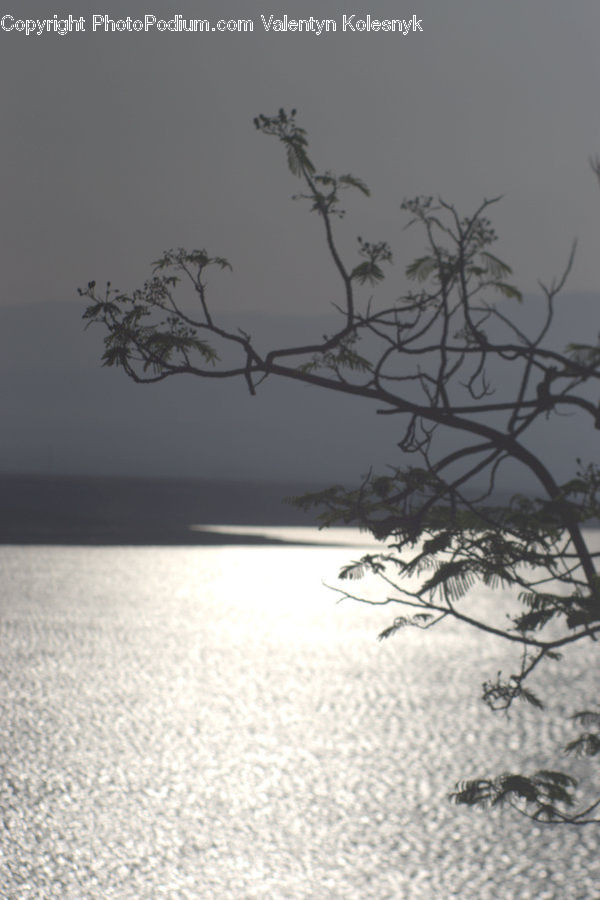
(207, 722)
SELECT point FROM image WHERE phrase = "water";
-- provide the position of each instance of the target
(207, 722)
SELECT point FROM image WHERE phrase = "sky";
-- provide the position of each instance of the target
(117, 146)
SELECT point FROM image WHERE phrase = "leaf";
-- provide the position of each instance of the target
(508, 290)
(560, 778)
(584, 354)
(578, 617)
(587, 744)
(438, 543)
(352, 181)
(530, 698)
(421, 268)
(476, 792)
(297, 158)
(454, 578)
(495, 266)
(419, 620)
(367, 272)
(515, 784)
(535, 619)
(587, 717)
(353, 571)
(542, 789)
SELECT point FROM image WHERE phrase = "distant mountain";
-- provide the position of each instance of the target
(43, 509)
(63, 414)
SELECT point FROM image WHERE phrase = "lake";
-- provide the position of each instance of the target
(199, 722)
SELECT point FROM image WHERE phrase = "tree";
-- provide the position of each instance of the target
(447, 357)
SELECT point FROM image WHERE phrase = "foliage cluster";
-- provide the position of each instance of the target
(446, 357)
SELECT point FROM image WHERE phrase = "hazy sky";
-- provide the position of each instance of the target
(116, 146)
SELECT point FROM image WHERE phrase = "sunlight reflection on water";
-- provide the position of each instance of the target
(198, 722)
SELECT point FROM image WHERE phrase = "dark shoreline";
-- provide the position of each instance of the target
(78, 510)
(68, 510)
